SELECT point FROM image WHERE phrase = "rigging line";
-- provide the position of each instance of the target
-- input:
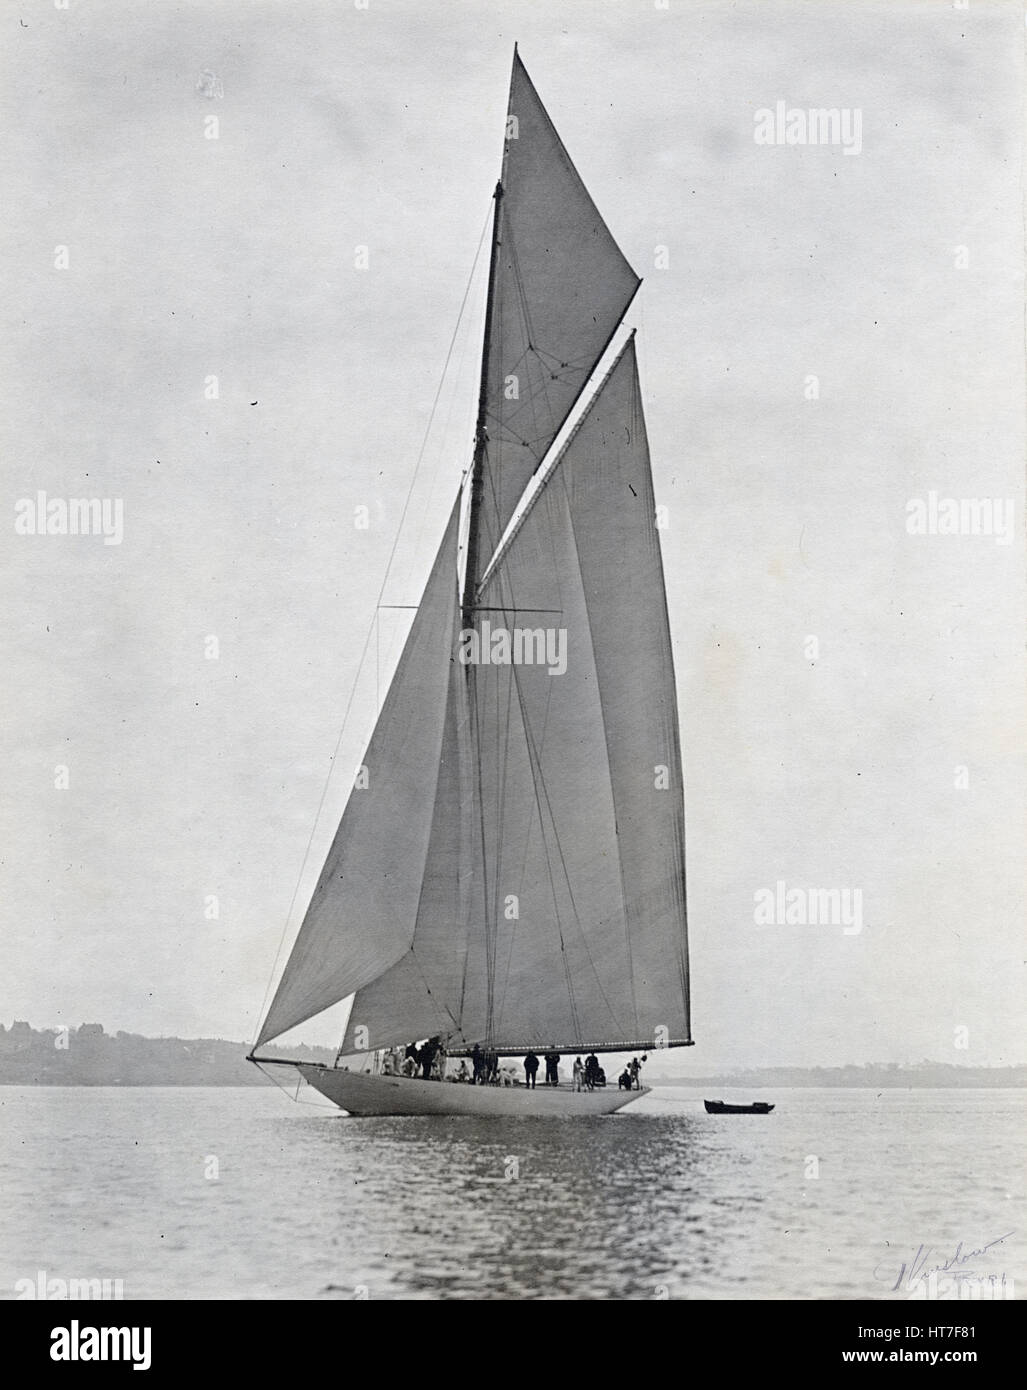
(536, 780)
(465, 811)
(489, 487)
(501, 762)
(532, 398)
(518, 360)
(576, 366)
(510, 408)
(522, 296)
(493, 678)
(467, 915)
(488, 502)
(549, 430)
(443, 1009)
(431, 417)
(531, 823)
(476, 743)
(453, 398)
(476, 687)
(504, 762)
(294, 1098)
(572, 364)
(510, 436)
(370, 629)
(475, 489)
(317, 815)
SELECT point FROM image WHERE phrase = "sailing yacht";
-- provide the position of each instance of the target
(510, 874)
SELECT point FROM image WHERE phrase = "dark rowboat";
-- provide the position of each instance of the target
(720, 1107)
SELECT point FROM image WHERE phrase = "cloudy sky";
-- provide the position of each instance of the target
(890, 762)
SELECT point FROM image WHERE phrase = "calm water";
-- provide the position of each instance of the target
(661, 1201)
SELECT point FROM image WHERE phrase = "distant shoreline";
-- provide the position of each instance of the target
(88, 1056)
(906, 1083)
(664, 1083)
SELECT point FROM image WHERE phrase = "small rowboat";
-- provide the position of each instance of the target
(720, 1107)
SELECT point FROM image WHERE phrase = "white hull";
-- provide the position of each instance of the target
(359, 1093)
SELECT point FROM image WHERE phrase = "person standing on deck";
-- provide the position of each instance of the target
(530, 1070)
(477, 1061)
(552, 1064)
(579, 1074)
(425, 1057)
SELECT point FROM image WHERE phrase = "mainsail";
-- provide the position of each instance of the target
(514, 873)
(582, 939)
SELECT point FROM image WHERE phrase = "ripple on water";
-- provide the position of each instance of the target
(663, 1202)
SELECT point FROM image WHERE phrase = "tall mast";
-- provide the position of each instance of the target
(481, 436)
(473, 541)
(481, 429)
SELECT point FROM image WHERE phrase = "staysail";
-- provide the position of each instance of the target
(560, 287)
(362, 915)
(420, 995)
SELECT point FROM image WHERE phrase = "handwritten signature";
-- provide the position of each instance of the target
(913, 1271)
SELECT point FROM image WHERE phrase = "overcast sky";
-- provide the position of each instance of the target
(339, 127)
